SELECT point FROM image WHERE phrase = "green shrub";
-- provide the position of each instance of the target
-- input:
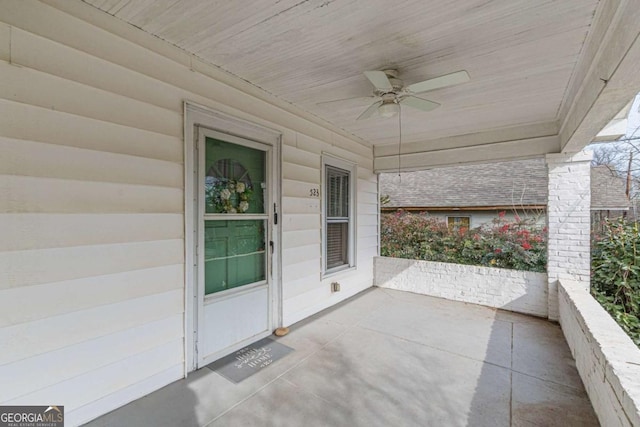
(615, 271)
(517, 244)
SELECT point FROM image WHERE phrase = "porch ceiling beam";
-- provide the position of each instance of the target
(515, 142)
(607, 77)
(491, 152)
(512, 133)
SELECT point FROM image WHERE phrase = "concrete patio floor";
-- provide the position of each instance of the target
(389, 358)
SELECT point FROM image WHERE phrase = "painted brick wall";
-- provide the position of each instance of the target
(568, 222)
(520, 291)
(606, 358)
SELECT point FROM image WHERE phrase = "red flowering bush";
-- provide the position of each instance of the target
(518, 244)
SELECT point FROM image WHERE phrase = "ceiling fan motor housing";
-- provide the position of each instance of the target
(392, 92)
(396, 84)
(389, 97)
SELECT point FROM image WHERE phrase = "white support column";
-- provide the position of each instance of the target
(568, 222)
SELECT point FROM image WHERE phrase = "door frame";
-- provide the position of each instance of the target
(198, 116)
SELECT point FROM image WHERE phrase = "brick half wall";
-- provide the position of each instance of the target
(607, 360)
(513, 290)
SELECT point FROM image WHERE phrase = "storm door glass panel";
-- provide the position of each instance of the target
(234, 178)
(234, 190)
(234, 254)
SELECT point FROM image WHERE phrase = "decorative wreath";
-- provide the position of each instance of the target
(229, 196)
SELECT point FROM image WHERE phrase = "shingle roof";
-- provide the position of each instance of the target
(518, 183)
(607, 190)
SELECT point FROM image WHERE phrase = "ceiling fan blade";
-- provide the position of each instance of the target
(369, 111)
(354, 99)
(440, 82)
(379, 79)
(419, 103)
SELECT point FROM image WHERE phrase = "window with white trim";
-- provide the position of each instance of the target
(338, 214)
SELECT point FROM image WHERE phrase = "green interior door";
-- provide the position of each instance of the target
(235, 220)
(234, 254)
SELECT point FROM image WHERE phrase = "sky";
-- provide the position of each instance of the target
(634, 118)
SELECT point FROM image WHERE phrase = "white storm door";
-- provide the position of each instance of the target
(234, 245)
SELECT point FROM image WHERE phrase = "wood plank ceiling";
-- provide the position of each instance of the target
(520, 54)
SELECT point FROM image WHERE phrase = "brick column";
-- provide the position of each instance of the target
(568, 222)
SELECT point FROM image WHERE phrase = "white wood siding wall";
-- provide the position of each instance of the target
(305, 292)
(91, 208)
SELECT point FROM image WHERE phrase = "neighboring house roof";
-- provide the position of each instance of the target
(514, 184)
(607, 190)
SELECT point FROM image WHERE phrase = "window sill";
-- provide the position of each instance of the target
(338, 271)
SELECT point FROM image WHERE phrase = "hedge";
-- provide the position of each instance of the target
(518, 244)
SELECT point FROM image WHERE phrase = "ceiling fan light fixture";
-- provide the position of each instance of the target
(388, 110)
(390, 92)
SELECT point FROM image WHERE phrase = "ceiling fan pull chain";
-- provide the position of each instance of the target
(399, 140)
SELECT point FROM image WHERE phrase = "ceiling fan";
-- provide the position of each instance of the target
(392, 92)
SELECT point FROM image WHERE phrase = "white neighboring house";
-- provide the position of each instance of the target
(473, 195)
(131, 134)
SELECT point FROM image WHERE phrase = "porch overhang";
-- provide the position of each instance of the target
(564, 71)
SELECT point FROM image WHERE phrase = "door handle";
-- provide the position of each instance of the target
(271, 246)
